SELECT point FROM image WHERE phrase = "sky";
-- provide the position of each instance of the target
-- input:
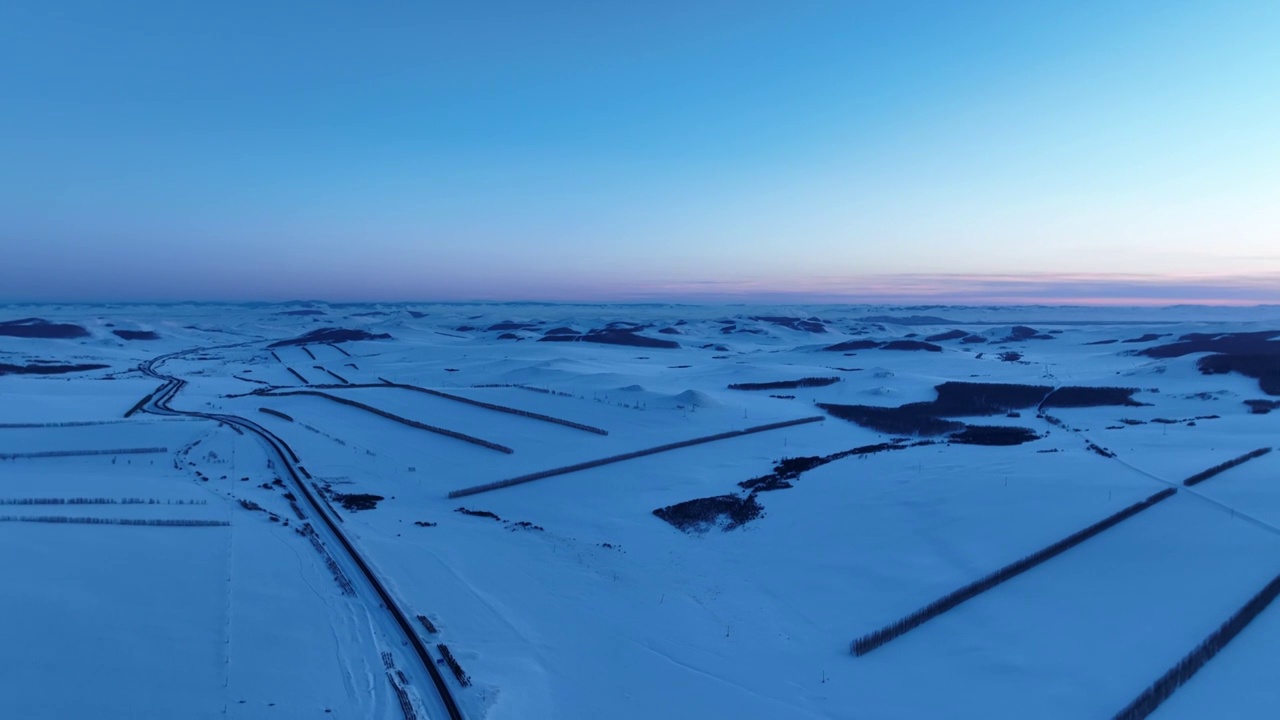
(853, 151)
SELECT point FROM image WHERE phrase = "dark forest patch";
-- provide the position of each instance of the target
(724, 511)
(1018, 333)
(1108, 341)
(614, 336)
(135, 334)
(1146, 337)
(478, 513)
(509, 325)
(1262, 407)
(973, 339)
(787, 384)
(907, 320)
(561, 331)
(809, 325)
(788, 469)
(853, 345)
(1010, 356)
(38, 328)
(47, 368)
(1246, 343)
(906, 420)
(1077, 396)
(963, 399)
(301, 313)
(948, 335)
(330, 335)
(911, 345)
(1265, 368)
(355, 502)
(998, 435)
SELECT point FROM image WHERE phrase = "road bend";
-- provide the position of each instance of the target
(433, 691)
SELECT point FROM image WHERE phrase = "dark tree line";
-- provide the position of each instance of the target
(1223, 467)
(871, 641)
(1161, 689)
(627, 456)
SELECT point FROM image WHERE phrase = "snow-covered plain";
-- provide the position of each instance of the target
(577, 601)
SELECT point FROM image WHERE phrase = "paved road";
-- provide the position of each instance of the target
(430, 687)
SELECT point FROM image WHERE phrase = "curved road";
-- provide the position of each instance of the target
(396, 624)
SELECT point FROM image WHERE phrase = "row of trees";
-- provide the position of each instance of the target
(113, 521)
(871, 641)
(80, 453)
(463, 679)
(627, 456)
(1223, 467)
(97, 501)
(1160, 690)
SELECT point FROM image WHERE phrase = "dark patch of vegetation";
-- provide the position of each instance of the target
(561, 331)
(1179, 674)
(911, 345)
(508, 336)
(424, 523)
(1262, 407)
(809, 325)
(1223, 467)
(973, 339)
(670, 331)
(307, 350)
(907, 320)
(963, 399)
(1146, 337)
(463, 679)
(526, 525)
(948, 335)
(614, 336)
(38, 328)
(997, 435)
(354, 502)
(1076, 396)
(787, 384)
(301, 313)
(700, 515)
(509, 325)
(330, 335)
(788, 469)
(136, 334)
(1265, 368)
(853, 345)
(426, 622)
(1092, 447)
(915, 419)
(1245, 343)
(871, 641)
(114, 521)
(1010, 356)
(47, 369)
(277, 413)
(1108, 341)
(478, 513)
(1018, 333)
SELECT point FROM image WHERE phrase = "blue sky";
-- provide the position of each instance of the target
(1001, 151)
